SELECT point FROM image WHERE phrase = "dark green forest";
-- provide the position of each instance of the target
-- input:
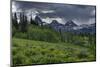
(34, 43)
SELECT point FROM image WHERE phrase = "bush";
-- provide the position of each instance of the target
(78, 43)
(18, 58)
(21, 35)
(14, 30)
(83, 54)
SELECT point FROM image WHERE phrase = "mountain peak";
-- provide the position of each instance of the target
(70, 23)
(55, 23)
(38, 19)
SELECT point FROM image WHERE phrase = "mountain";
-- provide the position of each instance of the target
(70, 26)
(87, 29)
(38, 20)
(56, 25)
(70, 23)
(93, 25)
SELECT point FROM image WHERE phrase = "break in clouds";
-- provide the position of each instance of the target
(80, 14)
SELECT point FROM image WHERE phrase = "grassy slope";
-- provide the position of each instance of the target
(39, 52)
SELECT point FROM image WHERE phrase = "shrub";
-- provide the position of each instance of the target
(21, 35)
(83, 54)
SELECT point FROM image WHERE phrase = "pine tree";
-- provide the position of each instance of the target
(61, 34)
(33, 22)
(23, 22)
(14, 21)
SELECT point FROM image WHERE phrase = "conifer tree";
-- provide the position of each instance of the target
(14, 21)
(23, 22)
(33, 22)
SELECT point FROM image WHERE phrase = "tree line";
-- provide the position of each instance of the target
(22, 25)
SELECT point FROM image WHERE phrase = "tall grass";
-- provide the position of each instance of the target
(39, 52)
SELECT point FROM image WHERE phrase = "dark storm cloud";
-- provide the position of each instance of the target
(80, 13)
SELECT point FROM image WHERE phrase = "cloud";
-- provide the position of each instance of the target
(14, 7)
(92, 13)
(81, 14)
(92, 20)
(47, 11)
(49, 20)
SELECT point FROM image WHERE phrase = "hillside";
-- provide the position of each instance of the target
(39, 52)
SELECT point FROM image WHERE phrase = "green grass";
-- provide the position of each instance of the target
(39, 52)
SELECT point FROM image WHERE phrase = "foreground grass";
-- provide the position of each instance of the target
(39, 52)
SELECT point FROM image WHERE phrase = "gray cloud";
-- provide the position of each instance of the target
(81, 14)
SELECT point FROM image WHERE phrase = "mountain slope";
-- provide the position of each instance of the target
(70, 23)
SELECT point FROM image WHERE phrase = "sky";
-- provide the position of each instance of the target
(80, 14)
